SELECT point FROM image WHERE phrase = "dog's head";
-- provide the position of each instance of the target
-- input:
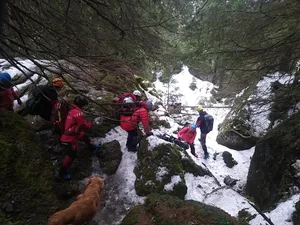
(96, 181)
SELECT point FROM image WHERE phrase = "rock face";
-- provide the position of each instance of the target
(271, 174)
(110, 156)
(236, 130)
(162, 169)
(165, 209)
(26, 193)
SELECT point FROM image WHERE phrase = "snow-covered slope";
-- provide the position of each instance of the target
(203, 189)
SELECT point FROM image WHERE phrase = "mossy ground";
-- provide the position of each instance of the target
(169, 210)
(25, 174)
(166, 157)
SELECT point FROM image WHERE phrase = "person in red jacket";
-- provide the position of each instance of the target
(188, 134)
(75, 126)
(7, 93)
(130, 123)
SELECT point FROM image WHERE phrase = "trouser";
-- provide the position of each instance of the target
(71, 153)
(132, 140)
(203, 142)
(87, 140)
(192, 146)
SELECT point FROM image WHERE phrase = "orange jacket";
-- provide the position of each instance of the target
(131, 122)
(188, 134)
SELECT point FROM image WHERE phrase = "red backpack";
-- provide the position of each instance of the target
(59, 116)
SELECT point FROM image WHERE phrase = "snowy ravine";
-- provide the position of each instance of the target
(121, 192)
(202, 189)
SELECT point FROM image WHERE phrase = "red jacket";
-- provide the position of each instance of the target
(75, 125)
(131, 122)
(7, 98)
(187, 134)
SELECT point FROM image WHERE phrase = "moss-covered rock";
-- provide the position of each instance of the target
(236, 132)
(169, 210)
(110, 156)
(271, 173)
(25, 174)
(296, 214)
(162, 170)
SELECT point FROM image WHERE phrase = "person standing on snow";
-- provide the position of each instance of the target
(129, 122)
(140, 102)
(75, 126)
(205, 123)
(7, 93)
(188, 134)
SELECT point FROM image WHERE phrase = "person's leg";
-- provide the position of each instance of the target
(192, 146)
(203, 144)
(132, 140)
(71, 150)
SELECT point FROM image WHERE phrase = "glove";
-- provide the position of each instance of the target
(149, 134)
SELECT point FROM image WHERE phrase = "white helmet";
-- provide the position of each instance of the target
(137, 93)
(128, 100)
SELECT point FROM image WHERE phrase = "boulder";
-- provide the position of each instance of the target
(110, 156)
(162, 170)
(166, 209)
(229, 161)
(272, 174)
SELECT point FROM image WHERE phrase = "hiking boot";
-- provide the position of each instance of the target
(195, 155)
(67, 176)
(206, 155)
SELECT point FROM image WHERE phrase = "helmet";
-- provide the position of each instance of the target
(137, 93)
(80, 101)
(194, 126)
(5, 80)
(128, 100)
(58, 82)
(199, 108)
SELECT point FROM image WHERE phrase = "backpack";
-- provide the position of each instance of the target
(126, 109)
(209, 122)
(40, 102)
(59, 116)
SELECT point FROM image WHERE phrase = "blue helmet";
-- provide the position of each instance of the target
(194, 126)
(5, 80)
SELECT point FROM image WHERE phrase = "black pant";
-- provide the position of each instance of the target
(192, 146)
(132, 140)
(203, 142)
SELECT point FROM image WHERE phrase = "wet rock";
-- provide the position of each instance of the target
(166, 209)
(37, 123)
(230, 181)
(7, 207)
(275, 154)
(229, 161)
(110, 156)
(162, 170)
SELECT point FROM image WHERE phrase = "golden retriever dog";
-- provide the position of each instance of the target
(84, 208)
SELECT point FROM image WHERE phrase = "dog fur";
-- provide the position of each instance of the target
(84, 208)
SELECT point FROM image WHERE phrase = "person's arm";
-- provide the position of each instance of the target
(198, 123)
(145, 120)
(81, 121)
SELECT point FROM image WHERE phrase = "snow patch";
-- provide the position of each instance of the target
(174, 180)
